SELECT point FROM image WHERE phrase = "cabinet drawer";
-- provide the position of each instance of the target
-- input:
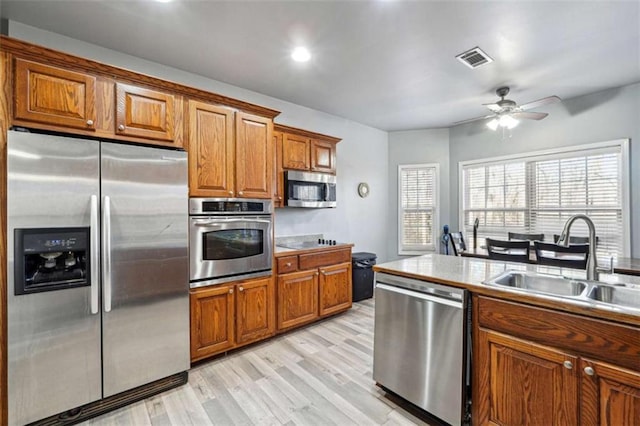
(604, 340)
(315, 260)
(287, 264)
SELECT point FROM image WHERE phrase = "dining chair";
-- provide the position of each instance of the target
(572, 256)
(528, 237)
(512, 251)
(575, 240)
(457, 243)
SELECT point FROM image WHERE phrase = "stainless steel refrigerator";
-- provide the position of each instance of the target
(97, 270)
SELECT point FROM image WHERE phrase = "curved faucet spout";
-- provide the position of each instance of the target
(592, 261)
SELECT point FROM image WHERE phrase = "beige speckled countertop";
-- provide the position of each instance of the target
(469, 273)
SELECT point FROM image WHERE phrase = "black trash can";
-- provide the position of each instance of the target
(362, 275)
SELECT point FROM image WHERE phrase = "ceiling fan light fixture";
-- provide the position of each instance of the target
(508, 121)
(493, 124)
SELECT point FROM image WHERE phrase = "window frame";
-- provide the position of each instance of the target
(625, 184)
(436, 209)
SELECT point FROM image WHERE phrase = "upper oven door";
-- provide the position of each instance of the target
(223, 246)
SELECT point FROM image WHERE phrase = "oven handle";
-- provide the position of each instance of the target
(95, 254)
(106, 252)
(220, 222)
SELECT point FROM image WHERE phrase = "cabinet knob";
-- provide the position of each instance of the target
(89, 123)
(240, 192)
(317, 273)
(230, 291)
(288, 264)
(589, 371)
(240, 288)
(121, 127)
(279, 198)
(230, 192)
(568, 365)
(322, 271)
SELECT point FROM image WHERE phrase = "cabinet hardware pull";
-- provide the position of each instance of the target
(568, 365)
(89, 122)
(322, 272)
(241, 288)
(279, 198)
(317, 273)
(589, 371)
(230, 291)
(121, 127)
(230, 192)
(240, 192)
(288, 264)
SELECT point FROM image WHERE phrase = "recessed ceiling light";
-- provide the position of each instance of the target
(163, 1)
(300, 54)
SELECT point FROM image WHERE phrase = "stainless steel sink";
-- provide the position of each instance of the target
(616, 295)
(540, 283)
(620, 296)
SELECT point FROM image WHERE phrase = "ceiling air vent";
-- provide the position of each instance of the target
(474, 58)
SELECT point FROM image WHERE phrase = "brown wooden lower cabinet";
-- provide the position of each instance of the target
(297, 298)
(313, 285)
(335, 288)
(227, 316)
(536, 366)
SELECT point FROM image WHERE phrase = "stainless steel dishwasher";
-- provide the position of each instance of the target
(422, 345)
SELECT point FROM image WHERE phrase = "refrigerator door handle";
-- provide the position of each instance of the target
(95, 254)
(106, 252)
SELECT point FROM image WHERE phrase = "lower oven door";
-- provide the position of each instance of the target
(224, 247)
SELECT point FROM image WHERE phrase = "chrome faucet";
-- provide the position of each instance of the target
(592, 262)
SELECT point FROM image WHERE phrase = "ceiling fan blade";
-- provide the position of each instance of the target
(473, 119)
(530, 115)
(493, 107)
(540, 102)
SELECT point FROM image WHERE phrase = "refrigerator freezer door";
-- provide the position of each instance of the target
(53, 338)
(145, 274)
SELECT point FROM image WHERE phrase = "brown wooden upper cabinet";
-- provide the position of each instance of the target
(144, 113)
(54, 96)
(230, 153)
(304, 150)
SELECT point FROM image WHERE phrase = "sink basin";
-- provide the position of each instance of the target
(539, 283)
(616, 295)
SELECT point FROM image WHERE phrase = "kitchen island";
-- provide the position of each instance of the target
(541, 359)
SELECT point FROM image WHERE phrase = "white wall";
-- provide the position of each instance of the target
(602, 116)
(361, 155)
(417, 147)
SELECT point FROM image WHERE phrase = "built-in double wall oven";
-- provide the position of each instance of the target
(229, 239)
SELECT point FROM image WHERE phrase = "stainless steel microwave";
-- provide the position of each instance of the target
(305, 189)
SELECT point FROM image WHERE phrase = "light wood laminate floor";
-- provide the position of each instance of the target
(317, 375)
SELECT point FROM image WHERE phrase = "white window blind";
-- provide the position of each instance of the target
(538, 192)
(417, 208)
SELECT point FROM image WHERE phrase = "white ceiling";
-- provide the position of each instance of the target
(388, 64)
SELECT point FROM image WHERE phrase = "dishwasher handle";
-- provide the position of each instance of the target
(422, 296)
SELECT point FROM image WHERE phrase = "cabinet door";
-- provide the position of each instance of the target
(212, 319)
(610, 395)
(254, 156)
(295, 152)
(297, 298)
(323, 156)
(211, 154)
(144, 113)
(255, 310)
(278, 180)
(54, 96)
(335, 288)
(521, 383)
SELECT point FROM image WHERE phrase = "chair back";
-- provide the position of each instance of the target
(512, 251)
(576, 240)
(573, 256)
(457, 243)
(527, 237)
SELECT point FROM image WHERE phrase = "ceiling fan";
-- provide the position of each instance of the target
(506, 113)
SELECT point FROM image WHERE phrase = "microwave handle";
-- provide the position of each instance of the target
(326, 192)
(219, 222)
